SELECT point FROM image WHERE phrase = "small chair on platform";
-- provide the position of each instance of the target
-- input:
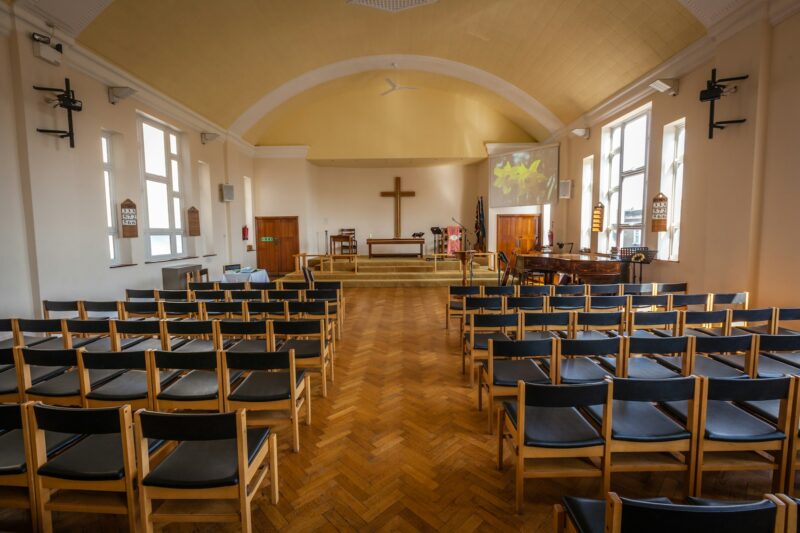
(189, 486)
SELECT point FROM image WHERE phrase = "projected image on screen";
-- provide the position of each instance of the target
(529, 177)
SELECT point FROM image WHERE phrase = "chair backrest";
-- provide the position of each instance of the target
(188, 426)
(298, 328)
(656, 390)
(526, 303)
(571, 303)
(209, 295)
(70, 307)
(503, 290)
(591, 347)
(107, 309)
(267, 309)
(532, 348)
(173, 295)
(483, 303)
(605, 289)
(743, 390)
(672, 288)
(329, 286)
(257, 360)
(609, 302)
(88, 327)
(719, 319)
(223, 309)
(544, 321)
(638, 289)
(779, 343)
(98, 421)
(660, 345)
(263, 285)
(726, 344)
(327, 295)
(545, 395)
(729, 300)
(765, 315)
(789, 313)
(47, 325)
(295, 285)
(570, 290)
(308, 308)
(172, 309)
(187, 328)
(535, 290)
(186, 360)
(659, 302)
(140, 294)
(130, 359)
(683, 301)
(495, 321)
(148, 328)
(147, 309)
(51, 358)
(257, 328)
(654, 319)
(459, 291)
(231, 285)
(286, 295)
(202, 286)
(249, 295)
(613, 320)
(656, 517)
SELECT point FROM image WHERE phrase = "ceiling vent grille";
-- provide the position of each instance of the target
(392, 6)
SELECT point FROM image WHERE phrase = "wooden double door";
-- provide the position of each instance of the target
(521, 232)
(277, 241)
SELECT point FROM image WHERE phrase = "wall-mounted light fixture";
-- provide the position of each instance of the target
(117, 94)
(206, 137)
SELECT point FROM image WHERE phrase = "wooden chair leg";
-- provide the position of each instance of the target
(500, 437)
(146, 510)
(471, 370)
(606, 466)
(519, 474)
(273, 466)
(324, 372)
(43, 516)
(332, 368)
(246, 524)
(308, 399)
(132, 518)
(480, 391)
(690, 474)
(447, 316)
(559, 519)
(790, 476)
(490, 410)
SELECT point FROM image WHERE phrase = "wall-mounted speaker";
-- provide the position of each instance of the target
(225, 192)
(565, 189)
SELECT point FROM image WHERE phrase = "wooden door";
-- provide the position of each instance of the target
(277, 241)
(517, 231)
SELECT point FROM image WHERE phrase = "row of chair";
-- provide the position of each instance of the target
(775, 513)
(692, 425)
(110, 461)
(261, 286)
(610, 289)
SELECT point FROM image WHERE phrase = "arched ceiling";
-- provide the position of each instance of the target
(349, 119)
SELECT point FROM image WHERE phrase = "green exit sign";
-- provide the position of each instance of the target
(267, 239)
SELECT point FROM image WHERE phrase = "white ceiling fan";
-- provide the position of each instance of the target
(393, 86)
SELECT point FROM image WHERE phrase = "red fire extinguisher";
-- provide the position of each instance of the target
(245, 233)
(550, 237)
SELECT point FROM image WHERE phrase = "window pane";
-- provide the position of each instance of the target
(631, 237)
(159, 245)
(614, 177)
(635, 143)
(612, 239)
(616, 135)
(109, 218)
(613, 208)
(154, 157)
(632, 199)
(680, 140)
(175, 177)
(111, 247)
(176, 210)
(104, 147)
(675, 246)
(173, 144)
(157, 205)
(178, 244)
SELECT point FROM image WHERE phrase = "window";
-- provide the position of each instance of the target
(623, 180)
(587, 180)
(248, 207)
(108, 183)
(206, 208)
(672, 188)
(163, 190)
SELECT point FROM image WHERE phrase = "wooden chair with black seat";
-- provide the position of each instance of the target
(659, 515)
(147, 332)
(174, 295)
(248, 295)
(95, 310)
(130, 310)
(97, 474)
(731, 439)
(719, 357)
(549, 437)
(762, 321)
(641, 358)
(267, 310)
(100, 333)
(140, 295)
(652, 324)
(63, 309)
(316, 310)
(509, 362)
(502, 290)
(454, 307)
(272, 392)
(483, 328)
(196, 386)
(49, 334)
(282, 295)
(16, 472)
(568, 303)
(706, 323)
(647, 303)
(263, 285)
(641, 437)
(334, 286)
(332, 297)
(246, 336)
(598, 324)
(534, 290)
(195, 286)
(672, 288)
(692, 302)
(200, 335)
(536, 326)
(526, 304)
(66, 388)
(579, 360)
(309, 340)
(171, 310)
(732, 300)
(224, 310)
(473, 305)
(212, 472)
(605, 303)
(787, 320)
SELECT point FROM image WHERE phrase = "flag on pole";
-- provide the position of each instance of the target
(480, 226)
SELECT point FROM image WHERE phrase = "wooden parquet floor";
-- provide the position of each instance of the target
(399, 445)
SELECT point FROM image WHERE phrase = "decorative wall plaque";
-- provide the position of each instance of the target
(597, 217)
(129, 219)
(193, 222)
(659, 213)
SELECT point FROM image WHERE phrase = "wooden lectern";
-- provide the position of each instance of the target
(465, 256)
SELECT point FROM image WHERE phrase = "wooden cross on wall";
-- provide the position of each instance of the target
(397, 194)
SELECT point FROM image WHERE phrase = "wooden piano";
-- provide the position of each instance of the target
(583, 268)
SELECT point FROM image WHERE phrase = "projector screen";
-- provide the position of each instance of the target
(528, 177)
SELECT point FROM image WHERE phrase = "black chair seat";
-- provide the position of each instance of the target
(767, 367)
(250, 345)
(3, 368)
(93, 458)
(589, 516)
(790, 358)
(768, 409)
(132, 385)
(579, 370)
(196, 345)
(67, 384)
(8, 380)
(303, 349)
(507, 373)
(12, 452)
(456, 305)
(726, 422)
(196, 385)
(703, 366)
(103, 344)
(27, 340)
(555, 427)
(593, 335)
(152, 343)
(189, 467)
(764, 330)
(701, 332)
(261, 386)
(640, 422)
(539, 335)
(57, 343)
(482, 339)
(640, 368)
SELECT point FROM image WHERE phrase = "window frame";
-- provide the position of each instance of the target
(616, 227)
(587, 197)
(672, 174)
(112, 228)
(176, 234)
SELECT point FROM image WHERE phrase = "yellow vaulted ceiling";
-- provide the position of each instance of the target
(220, 57)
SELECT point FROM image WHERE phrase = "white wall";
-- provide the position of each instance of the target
(330, 198)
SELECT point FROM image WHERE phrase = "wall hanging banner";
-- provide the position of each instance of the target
(658, 215)
(130, 222)
(597, 217)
